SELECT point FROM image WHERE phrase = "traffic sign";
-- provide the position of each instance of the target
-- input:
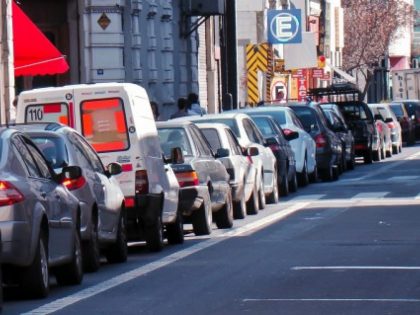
(284, 26)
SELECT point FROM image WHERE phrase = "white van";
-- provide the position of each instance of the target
(117, 120)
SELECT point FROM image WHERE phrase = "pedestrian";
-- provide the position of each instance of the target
(155, 110)
(194, 107)
(182, 108)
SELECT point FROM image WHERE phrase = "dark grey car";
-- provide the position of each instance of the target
(101, 200)
(205, 193)
(40, 218)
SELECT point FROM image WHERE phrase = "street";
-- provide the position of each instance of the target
(344, 247)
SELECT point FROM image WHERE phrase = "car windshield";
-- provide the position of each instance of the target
(264, 125)
(278, 116)
(227, 121)
(174, 138)
(53, 149)
(212, 137)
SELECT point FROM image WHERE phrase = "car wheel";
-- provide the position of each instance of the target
(239, 208)
(383, 152)
(293, 184)
(90, 250)
(175, 230)
(202, 218)
(368, 157)
(117, 252)
(328, 174)
(284, 186)
(351, 164)
(35, 278)
(72, 273)
(313, 177)
(154, 235)
(252, 205)
(303, 177)
(395, 150)
(377, 155)
(261, 195)
(273, 197)
(224, 217)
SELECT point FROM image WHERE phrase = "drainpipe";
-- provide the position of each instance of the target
(8, 80)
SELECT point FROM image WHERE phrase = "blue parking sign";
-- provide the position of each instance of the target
(284, 26)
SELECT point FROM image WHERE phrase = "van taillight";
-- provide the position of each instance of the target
(73, 184)
(320, 141)
(188, 178)
(142, 182)
(9, 194)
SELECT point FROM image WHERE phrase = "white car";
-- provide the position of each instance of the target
(303, 147)
(239, 166)
(248, 136)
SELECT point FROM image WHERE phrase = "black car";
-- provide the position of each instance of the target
(204, 192)
(338, 124)
(328, 145)
(413, 110)
(407, 123)
(282, 150)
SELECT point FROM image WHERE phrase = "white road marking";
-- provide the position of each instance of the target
(355, 268)
(335, 300)
(370, 195)
(308, 197)
(165, 261)
(403, 178)
(413, 156)
(417, 197)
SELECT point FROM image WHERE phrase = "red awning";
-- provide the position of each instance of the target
(34, 53)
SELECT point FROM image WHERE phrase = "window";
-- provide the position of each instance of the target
(104, 124)
(40, 161)
(50, 112)
(54, 150)
(231, 123)
(234, 144)
(264, 125)
(27, 158)
(88, 153)
(201, 142)
(174, 138)
(212, 137)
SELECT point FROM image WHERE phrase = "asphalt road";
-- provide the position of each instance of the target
(345, 247)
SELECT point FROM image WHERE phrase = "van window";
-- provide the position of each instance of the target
(52, 112)
(104, 124)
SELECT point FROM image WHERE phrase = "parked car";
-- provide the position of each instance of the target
(413, 110)
(239, 166)
(103, 218)
(406, 122)
(248, 136)
(40, 218)
(360, 120)
(204, 182)
(338, 124)
(383, 131)
(328, 145)
(282, 150)
(393, 124)
(303, 147)
(117, 121)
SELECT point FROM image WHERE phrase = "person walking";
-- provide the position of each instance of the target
(194, 107)
(155, 110)
(182, 108)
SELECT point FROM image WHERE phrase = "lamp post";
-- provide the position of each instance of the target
(7, 79)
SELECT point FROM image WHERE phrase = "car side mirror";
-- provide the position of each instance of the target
(71, 172)
(251, 151)
(221, 153)
(291, 136)
(271, 141)
(177, 157)
(114, 169)
(413, 117)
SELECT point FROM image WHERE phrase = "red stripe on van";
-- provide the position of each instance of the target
(109, 146)
(100, 104)
(87, 125)
(119, 119)
(71, 114)
(52, 108)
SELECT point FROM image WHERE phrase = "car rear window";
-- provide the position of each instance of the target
(264, 125)
(53, 149)
(278, 116)
(307, 116)
(354, 111)
(104, 124)
(49, 112)
(227, 121)
(212, 137)
(174, 138)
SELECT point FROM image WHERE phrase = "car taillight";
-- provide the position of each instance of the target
(9, 194)
(129, 202)
(188, 178)
(73, 184)
(142, 182)
(287, 131)
(320, 141)
(391, 125)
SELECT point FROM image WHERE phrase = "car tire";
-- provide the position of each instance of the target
(284, 186)
(154, 235)
(303, 177)
(175, 230)
(35, 278)
(368, 157)
(328, 174)
(90, 250)
(224, 217)
(239, 209)
(377, 155)
(202, 218)
(273, 197)
(117, 252)
(352, 163)
(261, 195)
(72, 273)
(293, 184)
(253, 205)
(395, 150)
(313, 177)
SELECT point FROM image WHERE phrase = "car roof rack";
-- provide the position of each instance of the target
(337, 92)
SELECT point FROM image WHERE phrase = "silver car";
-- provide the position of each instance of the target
(39, 220)
(241, 170)
(103, 222)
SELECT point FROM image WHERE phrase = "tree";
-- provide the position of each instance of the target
(369, 27)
